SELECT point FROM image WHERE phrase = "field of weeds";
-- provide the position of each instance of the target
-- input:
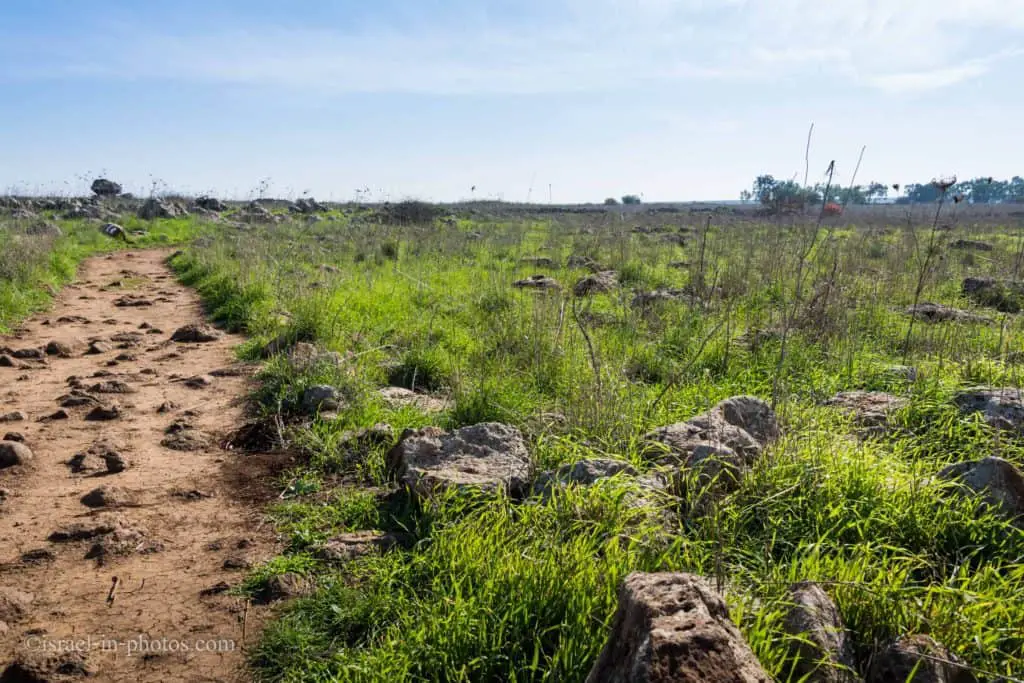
(587, 333)
(495, 320)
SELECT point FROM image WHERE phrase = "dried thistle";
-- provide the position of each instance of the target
(943, 184)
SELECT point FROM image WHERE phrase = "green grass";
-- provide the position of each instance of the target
(493, 589)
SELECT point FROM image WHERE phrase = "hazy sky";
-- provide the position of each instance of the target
(674, 99)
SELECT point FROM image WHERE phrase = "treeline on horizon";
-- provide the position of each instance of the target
(988, 190)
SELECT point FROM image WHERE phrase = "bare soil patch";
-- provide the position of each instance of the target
(95, 526)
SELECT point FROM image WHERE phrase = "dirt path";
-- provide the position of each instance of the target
(182, 516)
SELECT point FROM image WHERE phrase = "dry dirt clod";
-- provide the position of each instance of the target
(109, 497)
(97, 348)
(104, 413)
(64, 349)
(115, 462)
(37, 667)
(55, 416)
(111, 387)
(195, 334)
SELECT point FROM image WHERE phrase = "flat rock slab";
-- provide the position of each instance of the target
(398, 397)
(940, 313)
(1001, 408)
(869, 409)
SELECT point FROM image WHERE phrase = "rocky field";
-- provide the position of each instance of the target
(687, 445)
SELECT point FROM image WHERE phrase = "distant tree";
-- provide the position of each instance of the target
(631, 199)
(920, 193)
(746, 196)
(985, 190)
(1015, 189)
(764, 188)
(876, 192)
(611, 201)
(852, 195)
(787, 194)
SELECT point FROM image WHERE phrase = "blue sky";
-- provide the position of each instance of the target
(572, 99)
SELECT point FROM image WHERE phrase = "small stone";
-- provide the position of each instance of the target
(111, 387)
(16, 416)
(194, 334)
(108, 497)
(80, 532)
(216, 589)
(321, 397)
(236, 563)
(98, 347)
(61, 349)
(104, 413)
(347, 547)
(14, 436)
(115, 462)
(199, 382)
(282, 587)
(38, 556)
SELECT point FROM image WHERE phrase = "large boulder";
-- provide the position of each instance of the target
(102, 187)
(306, 205)
(1006, 296)
(998, 482)
(489, 457)
(671, 628)
(256, 213)
(154, 208)
(918, 659)
(598, 283)
(709, 472)
(744, 424)
(1001, 408)
(210, 204)
(821, 649)
(709, 454)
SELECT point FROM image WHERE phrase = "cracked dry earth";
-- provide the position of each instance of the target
(124, 522)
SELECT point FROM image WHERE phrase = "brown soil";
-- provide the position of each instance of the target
(162, 527)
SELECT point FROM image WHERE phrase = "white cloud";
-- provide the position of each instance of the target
(894, 46)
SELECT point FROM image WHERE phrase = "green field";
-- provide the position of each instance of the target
(488, 588)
